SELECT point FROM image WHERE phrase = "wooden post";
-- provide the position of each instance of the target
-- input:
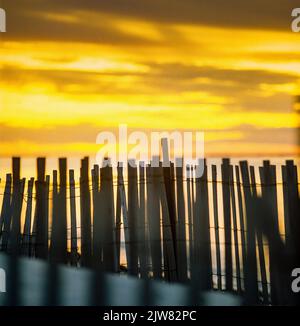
(14, 240)
(118, 221)
(74, 245)
(169, 184)
(227, 223)
(190, 203)
(27, 224)
(269, 194)
(58, 249)
(216, 222)
(202, 251)
(287, 226)
(6, 213)
(260, 242)
(235, 230)
(85, 216)
(170, 271)
(124, 211)
(181, 226)
(41, 245)
(250, 273)
(133, 219)
(97, 220)
(293, 209)
(109, 250)
(242, 222)
(143, 252)
(153, 214)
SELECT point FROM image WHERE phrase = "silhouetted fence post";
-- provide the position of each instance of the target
(28, 218)
(58, 248)
(170, 270)
(41, 244)
(216, 226)
(293, 209)
(74, 244)
(153, 214)
(250, 270)
(242, 221)
(108, 220)
(14, 240)
(260, 243)
(181, 227)
(124, 211)
(202, 271)
(235, 230)
(133, 218)
(5, 213)
(85, 216)
(227, 223)
(142, 234)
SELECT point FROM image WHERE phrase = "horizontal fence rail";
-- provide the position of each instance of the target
(234, 229)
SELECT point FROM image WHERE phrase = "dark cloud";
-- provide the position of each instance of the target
(87, 133)
(26, 17)
(167, 79)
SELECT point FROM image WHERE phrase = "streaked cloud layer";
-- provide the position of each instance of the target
(71, 69)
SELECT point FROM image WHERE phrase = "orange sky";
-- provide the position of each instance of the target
(69, 71)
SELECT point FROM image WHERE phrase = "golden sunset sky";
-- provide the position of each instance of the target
(70, 69)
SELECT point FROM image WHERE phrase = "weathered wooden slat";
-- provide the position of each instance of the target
(241, 220)
(287, 226)
(216, 226)
(28, 218)
(170, 270)
(74, 242)
(269, 194)
(41, 244)
(14, 239)
(124, 211)
(133, 219)
(250, 270)
(6, 209)
(153, 215)
(169, 184)
(97, 220)
(108, 220)
(181, 227)
(235, 230)
(6, 213)
(118, 221)
(47, 205)
(227, 223)
(142, 239)
(190, 205)
(260, 242)
(58, 248)
(202, 255)
(85, 216)
(293, 209)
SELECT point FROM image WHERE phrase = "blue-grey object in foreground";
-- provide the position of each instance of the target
(37, 283)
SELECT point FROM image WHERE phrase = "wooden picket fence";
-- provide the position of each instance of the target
(221, 233)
